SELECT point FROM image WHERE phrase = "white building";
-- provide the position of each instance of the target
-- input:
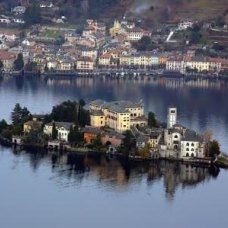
(172, 117)
(17, 10)
(63, 130)
(136, 34)
(176, 64)
(46, 5)
(183, 25)
(192, 145)
(172, 139)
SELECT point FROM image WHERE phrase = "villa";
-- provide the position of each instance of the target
(118, 115)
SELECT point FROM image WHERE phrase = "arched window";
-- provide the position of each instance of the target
(187, 155)
(187, 144)
(192, 155)
(193, 144)
(192, 149)
(176, 136)
(187, 149)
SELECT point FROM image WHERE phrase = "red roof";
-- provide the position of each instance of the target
(5, 55)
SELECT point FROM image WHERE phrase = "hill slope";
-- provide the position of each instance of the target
(151, 10)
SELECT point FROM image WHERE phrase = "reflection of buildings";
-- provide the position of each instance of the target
(194, 83)
(116, 174)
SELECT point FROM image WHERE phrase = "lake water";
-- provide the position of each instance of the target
(49, 190)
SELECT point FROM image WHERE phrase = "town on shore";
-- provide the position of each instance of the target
(123, 46)
(117, 128)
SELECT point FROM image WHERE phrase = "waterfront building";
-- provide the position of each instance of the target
(7, 59)
(172, 139)
(112, 137)
(63, 129)
(85, 64)
(192, 145)
(32, 125)
(154, 139)
(198, 63)
(176, 64)
(104, 60)
(91, 134)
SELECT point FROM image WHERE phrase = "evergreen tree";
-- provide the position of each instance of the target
(19, 62)
(75, 136)
(151, 120)
(32, 14)
(1, 65)
(3, 125)
(54, 132)
(214, 148)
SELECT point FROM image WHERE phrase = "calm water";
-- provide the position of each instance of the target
(46, 190)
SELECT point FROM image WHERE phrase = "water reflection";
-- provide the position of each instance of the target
(119, 174)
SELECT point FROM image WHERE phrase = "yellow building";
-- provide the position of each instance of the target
(97, 119)
(199, 64)
(154, 139)
(104, 60)
(115, 30)
(118, 119)
(163, 59)
(126, 60)
(119, 115)
(32, 125)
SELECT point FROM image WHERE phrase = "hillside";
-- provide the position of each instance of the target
(173, 10)
(154, 11)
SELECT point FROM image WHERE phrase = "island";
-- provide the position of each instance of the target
(117, 128)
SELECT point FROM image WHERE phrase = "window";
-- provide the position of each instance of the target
(176, 136)
(187, 149)
(187, 144)
(187, 155)
(193, 144)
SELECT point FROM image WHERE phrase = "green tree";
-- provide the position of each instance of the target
(82, 103)
(71, 111)
(75, 136)
(214, 148)
(144, 44)
(151, 120)
(19, 62)
(54, 133)
(128, 142)
(1, 65)
(3, 125)
(7, 133)
(20, 115)
(32, 14)
(97, 144)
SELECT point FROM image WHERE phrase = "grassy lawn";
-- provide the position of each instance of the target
(51, 33)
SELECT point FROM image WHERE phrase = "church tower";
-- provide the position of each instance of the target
(172, 117)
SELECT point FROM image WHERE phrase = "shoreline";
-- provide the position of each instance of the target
(119, 74)
(220, 163)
